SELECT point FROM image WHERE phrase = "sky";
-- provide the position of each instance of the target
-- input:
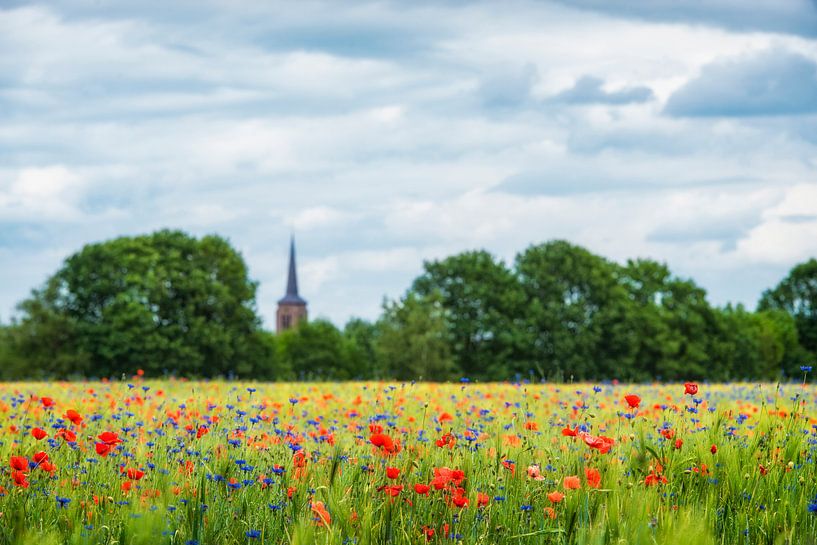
(382, 134)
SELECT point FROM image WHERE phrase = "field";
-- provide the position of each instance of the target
(223, 462)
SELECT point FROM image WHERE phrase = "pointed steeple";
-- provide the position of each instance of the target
(291, 297)
(292, 278)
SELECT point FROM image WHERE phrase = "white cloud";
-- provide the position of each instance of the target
(383, 134)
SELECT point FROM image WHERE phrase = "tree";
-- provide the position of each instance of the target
(483, 300)
(315, 350)
(797, 295)
(673, 325)
(576, 314)
(360, 337)
(413, 339)
(165, 303)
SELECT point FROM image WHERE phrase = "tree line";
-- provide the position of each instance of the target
(171, 304)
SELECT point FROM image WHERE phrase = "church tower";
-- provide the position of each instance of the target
(291, 307)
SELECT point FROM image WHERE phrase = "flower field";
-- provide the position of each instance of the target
(182, 462)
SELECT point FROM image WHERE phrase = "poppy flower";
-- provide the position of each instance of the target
(550, 513)
(572, 482)
(39, 433)
(18, 463)
(678, 444)
(632, 400)
(73, 416)
(444, 417)
(320, 512)
(392, 472)
(690, 388)
(103, 449)
(535, 473)
(713, 449)
(568, 432)
(40, 458)
(134, 474)
(47, 402)
(482, 499)
(556, 497)
(593, 477)
(202, 431)
(602, 444)
(392, 490)
(458, 498)
(447, 440)
(67, 435)
(422, 489)
(19, 479)
(384, 443)
(109, 438)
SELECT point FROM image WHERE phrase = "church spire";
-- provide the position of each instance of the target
(292, 278)
(291, 307)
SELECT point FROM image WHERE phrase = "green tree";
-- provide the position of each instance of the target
(797, 295)
(673, 325)
(165, 303)
(577, 313)
(360, 337)
(315, 350)
(483, 300)
(413, 339)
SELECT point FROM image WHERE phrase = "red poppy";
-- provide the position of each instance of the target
(571, 482)
(103, 449)
(568, 432)
(632, 400)
(713, 449)
(19, 479)
(392, 472)
(556, 497)
(109, 438)
(447, 440)
(384, 443)
(690, 388)
(602, 444)
(68, 435)
(422, 489)
(593, 477)
(73, 416)
(444, 417)
(39, 433)
(47, 402)
(322, 515)
(458, 498)
(202, 431)
(18, 463)
(134, 474)
(392, 490)
(40, 458)
(678, 444)
(482, 499)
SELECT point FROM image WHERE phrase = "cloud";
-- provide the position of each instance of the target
(589, 90)
(773, 82)
(783, 16)
(384, 134)
(509, 88)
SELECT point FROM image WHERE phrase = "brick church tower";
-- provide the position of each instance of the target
(291, 307)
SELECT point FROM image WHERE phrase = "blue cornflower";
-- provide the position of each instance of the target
(62, 502)
(805, 368)
(253, 534)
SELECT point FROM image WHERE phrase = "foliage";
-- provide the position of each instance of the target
(165, 303)
(169, 303)
(797, 295)
(413, 339)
